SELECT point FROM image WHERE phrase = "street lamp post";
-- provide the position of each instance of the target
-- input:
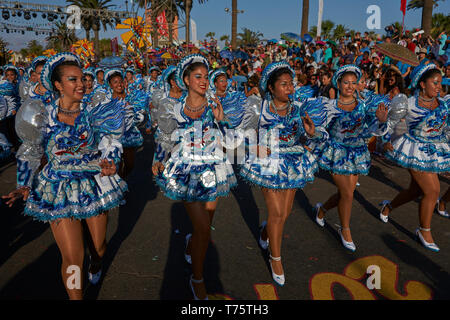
(234, 13)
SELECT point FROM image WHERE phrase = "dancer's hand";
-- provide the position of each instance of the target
(262, 151)
(157, 168)
(382, 113)
(308, 124)
(108, 168)
(22, 192)
(218, 110)
(388, 147)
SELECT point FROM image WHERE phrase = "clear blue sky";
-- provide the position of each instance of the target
(270, 17)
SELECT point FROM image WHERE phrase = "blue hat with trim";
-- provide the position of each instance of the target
(11, 67)
(184, 63)
(130, 69)
(154, 68)
(419, 71)
(272, 68)
(89, 71)
(111, 72)
(52, 63)
(214, 75)
(97, 70)
(37, 60)
(347, 68)
(165, 76)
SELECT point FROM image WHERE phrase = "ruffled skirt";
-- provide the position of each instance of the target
(421, 156)
(190, 182)
(289, 171)
(132, 138)
(74, 198)
(344, 160)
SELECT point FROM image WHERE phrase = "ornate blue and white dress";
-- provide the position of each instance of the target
(289, 165)
(137, 84)
(233, 104)
(303, 93)
(136, 107)
(151, 85)
(46, 98)
(346, 152)
(5, 146)
(161, 100)
(425, 145)
(10, 93)
(69, 184)
(191, 150)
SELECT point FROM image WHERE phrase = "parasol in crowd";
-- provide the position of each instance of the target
(112, 62)
(307, 38)
(273, 41)
(240, 55)
(167, 55)
(226, 54)
(398, 52)
(291, 37)
(332, 42)
(240, 79)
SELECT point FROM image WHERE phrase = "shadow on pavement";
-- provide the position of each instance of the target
(136, 199)
(247, 204)
(16, 230)
(177, 272)
(40, 279)
(439, 279)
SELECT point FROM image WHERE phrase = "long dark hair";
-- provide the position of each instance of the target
(399, 83)
(275, 76)
(427, 75)
(191, 68)
(57, 73)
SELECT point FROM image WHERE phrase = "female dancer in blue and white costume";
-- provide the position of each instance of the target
(89, 80)
(233, 102)
(350, 123)
(165, 97)
(278, 162)
(79, 180)
(38, 90)
(194, 171)
(424, 149)
(5, 146)
(136, 106)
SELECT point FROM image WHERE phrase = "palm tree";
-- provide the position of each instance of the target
(305, 16)
(172, 8)
(313, 31)
(225, 38)
(440, 23)
(210, 35)
(94, 22)
(62, 38)
(3, 52)
(327, 27)
(427, 12)
(234, 24)
(186, 6)
(339, 31)
(33, 49)
(249, 37)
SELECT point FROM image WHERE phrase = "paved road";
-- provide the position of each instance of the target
(145, 259)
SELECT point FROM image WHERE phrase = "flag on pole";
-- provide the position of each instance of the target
(403, 9)
(403, 6)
